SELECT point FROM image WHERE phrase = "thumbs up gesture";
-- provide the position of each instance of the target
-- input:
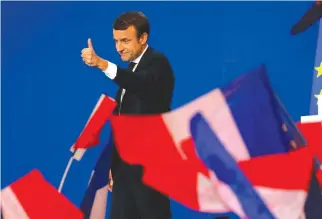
(89, 56)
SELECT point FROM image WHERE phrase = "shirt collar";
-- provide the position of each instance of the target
(137, 60)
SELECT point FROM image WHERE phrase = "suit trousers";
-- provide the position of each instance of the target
(132, 199)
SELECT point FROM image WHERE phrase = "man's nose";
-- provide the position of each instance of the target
(119, 47)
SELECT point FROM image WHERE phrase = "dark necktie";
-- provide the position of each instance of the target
(131, 66)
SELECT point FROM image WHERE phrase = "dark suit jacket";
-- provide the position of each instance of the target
(149, 90)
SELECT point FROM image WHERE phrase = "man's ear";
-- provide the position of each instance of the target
(143, 38)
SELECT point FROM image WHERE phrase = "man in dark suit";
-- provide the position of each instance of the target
(145, 87)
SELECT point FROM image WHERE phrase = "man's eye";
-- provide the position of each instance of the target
(126, 41)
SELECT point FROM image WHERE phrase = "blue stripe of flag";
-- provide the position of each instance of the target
(214, 155)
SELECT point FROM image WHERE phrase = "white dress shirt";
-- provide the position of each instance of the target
(111, 70)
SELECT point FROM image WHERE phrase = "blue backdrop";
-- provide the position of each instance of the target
(48, 93)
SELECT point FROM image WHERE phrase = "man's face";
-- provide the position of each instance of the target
(127, 43)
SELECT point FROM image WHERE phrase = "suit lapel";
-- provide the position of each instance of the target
(145, 59)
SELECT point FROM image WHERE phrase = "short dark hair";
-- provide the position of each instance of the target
(133, 18)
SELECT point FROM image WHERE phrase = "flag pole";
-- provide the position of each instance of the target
(77, 155)
(65, 174)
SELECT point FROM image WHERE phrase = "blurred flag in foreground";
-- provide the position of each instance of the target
(32, 197)
(265, 187)
(247, 118)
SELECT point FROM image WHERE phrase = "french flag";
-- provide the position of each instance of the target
(89, 137)
(248, 187)
(32, 197)
(249, 121)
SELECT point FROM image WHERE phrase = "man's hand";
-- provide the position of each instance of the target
(91, 59)
(89, 56)
(110, 183)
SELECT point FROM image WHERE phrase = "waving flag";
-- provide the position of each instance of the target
(89, 137)
(238, 184)
(32, 197)
(246, 117)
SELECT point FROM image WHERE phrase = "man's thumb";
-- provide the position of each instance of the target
(89, 42)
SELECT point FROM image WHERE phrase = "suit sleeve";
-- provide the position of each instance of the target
(145, 80)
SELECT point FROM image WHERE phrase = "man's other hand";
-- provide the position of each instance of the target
(89, 56)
